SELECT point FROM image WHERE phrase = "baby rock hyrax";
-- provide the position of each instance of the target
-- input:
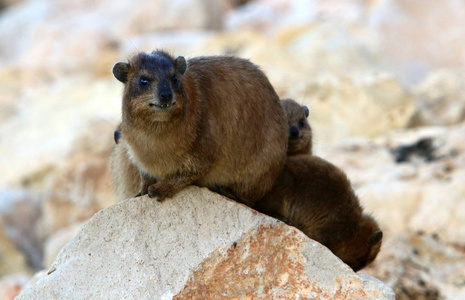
(211, 121)
(316, 197)
(300, 132)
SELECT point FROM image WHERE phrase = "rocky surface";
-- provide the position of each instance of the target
(379, 76)
(419, 203)
(198, 245)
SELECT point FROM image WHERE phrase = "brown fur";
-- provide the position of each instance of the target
(300, 132)
(317, 198)
(219, 124)
(125, 176)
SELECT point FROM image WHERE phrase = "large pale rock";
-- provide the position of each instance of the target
(419, 205)
(441, 98)
(57, 241)
(12, 260)
(342, 107)
(55, 38)
(419, 36)
(421, 266)
(198, 245)
(417, 195)
(37, 139)
(19, 215)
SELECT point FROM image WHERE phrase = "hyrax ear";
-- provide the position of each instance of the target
(375, 238)
(180, 65)
(306, 110)
(121, 70)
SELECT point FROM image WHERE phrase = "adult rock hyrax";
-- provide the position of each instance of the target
(300, 132)
(211, 121)
(316, 197)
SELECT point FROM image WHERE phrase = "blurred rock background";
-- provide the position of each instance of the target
(384, 81)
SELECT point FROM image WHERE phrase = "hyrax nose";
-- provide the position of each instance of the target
(294, 132)
(166, 96)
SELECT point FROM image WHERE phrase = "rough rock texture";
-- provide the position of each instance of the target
(418, 203)
(436, 29)
(440, 98)
(195, 246)
(404, 196)
(365, 107)
(422, 266)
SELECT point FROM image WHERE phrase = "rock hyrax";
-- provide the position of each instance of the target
(316, 197)
(211, 121)
(300, 132)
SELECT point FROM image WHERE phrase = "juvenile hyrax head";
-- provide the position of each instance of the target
(153, 84)
(363, 248)
(300, 132)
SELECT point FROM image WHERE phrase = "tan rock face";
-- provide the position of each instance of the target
(367, 107)
(12, 260)
(419, 204)
(419, 36)
(195, 246)
(440, 98)
(421, 266)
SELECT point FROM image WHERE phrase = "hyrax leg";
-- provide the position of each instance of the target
(145, 182)
(169, 186)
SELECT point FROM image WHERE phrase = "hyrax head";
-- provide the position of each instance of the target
(153, 83)
(364, 246)
(300, 132)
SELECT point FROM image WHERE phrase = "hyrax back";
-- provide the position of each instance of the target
(213, 121)
(316, 197)
(300, 132)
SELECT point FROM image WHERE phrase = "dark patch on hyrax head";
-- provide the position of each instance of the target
(306, 110)
(117, 136)
(376, 238)
(120, 71)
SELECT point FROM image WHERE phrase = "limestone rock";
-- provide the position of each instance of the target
(57, 241)
(417, 37)
(365, 107)
(441, 98)
(55, 118)
(80, 185)
(194, 246)
(404, 196)
(421, 266)
(19, 215)
(12, 261)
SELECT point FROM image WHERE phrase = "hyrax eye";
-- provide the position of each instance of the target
(174, 79)
(301, 123)
(143, 81)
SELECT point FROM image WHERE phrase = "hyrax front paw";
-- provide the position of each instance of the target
(144, 190)
(161, 190)
(142, 193)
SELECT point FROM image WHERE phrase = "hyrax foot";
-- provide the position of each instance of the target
(142, 192)
(161, 190)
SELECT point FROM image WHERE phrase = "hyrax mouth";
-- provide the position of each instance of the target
(161, 105)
